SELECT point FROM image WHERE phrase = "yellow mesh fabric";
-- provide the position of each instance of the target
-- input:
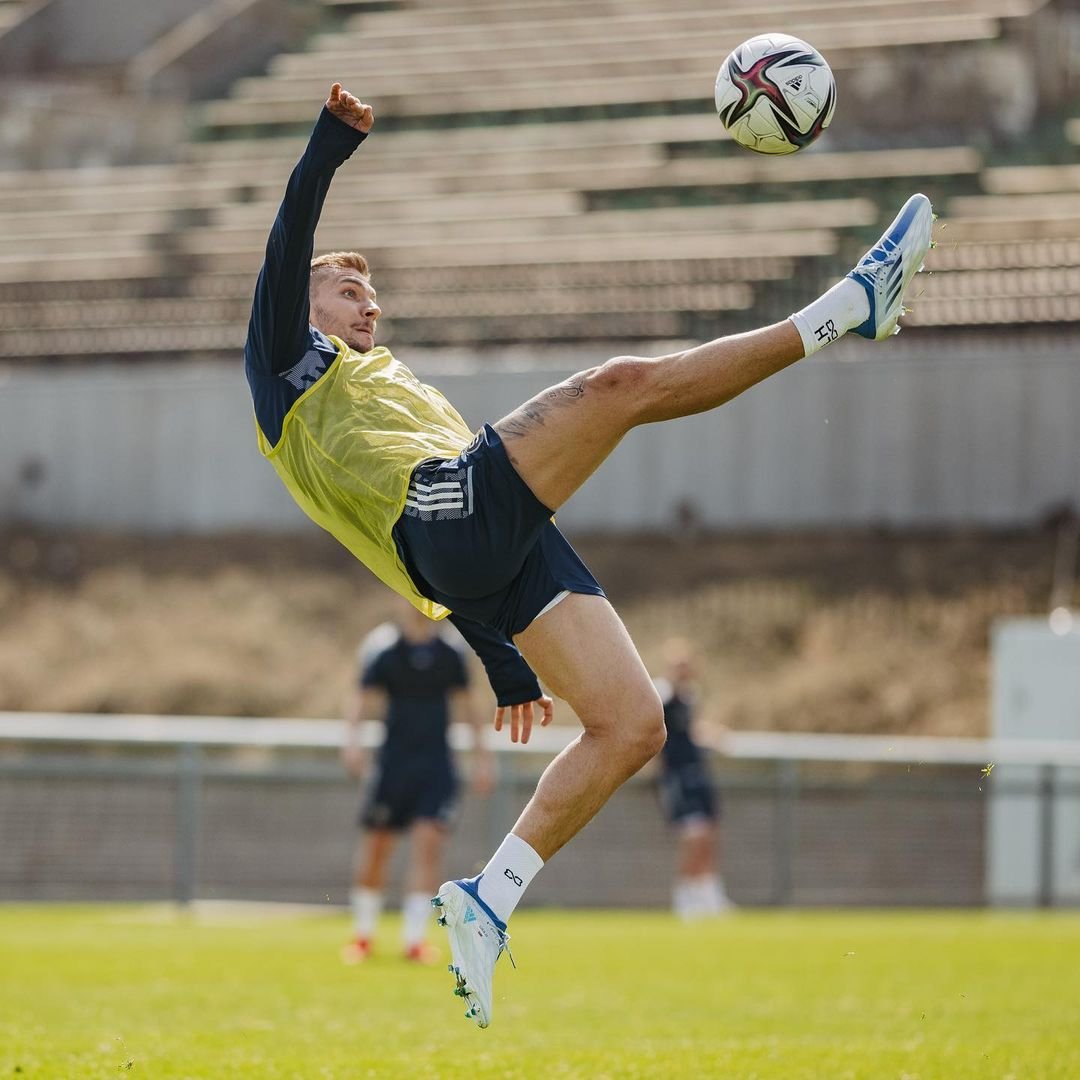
(348, 447)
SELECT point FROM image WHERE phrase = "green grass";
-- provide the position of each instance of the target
(106, 991)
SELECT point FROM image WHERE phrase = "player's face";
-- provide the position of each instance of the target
(682, 669)
(344, 305)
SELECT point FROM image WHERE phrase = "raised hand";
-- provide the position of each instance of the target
(350, 109)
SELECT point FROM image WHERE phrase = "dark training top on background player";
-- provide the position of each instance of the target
(415, 775)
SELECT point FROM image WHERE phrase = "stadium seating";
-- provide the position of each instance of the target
(1009, 256)
(9, 12)
(552, 158)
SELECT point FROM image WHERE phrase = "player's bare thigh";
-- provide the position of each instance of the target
(557, 439)
(584, 655)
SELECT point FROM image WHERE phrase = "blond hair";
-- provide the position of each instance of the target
(338, 260)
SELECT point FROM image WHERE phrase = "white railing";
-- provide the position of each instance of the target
(222, 731)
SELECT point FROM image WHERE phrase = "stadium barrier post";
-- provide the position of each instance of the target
(1046, 836)
(188, 794)
(785, 798)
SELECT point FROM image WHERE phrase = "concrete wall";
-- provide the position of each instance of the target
(913, 438)
(203, 55)
(90, 33)
(109, 56)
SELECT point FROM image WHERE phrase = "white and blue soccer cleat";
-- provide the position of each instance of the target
(477, 940)
(885, 270)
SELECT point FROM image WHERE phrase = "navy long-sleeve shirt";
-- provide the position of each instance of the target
(284, 355)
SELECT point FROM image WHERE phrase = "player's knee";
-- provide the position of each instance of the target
(647, 735)
(625, 378)
(655, 736)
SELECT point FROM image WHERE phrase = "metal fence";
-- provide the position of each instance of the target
(136, 808)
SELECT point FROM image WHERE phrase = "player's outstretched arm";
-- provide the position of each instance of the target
(278, 333)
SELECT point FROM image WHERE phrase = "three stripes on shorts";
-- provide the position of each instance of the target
(448, 499)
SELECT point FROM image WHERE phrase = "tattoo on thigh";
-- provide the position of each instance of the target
(532, 414)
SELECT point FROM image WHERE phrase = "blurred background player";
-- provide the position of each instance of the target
(415, 678)
(689, 796)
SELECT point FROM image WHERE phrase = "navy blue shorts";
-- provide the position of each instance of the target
(688, 794)
(476, 539)
(402, 794)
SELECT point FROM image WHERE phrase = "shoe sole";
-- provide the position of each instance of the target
(448, 908)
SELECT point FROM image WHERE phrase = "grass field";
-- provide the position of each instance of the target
(143, 991)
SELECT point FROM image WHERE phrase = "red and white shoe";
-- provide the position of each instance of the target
(356, 951)
(423, 954)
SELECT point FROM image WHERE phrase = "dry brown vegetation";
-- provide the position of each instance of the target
(849, 631)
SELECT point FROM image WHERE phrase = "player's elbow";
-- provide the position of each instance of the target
(624, 385)
(621, 376)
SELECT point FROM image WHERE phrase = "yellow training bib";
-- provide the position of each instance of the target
(348, 447)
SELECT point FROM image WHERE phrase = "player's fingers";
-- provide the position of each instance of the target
(335, 92)
(549, 712)
(526, 722)
(515, 722)
(499, 719)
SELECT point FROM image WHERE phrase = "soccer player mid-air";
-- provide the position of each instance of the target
(415, 677)
(460, 522)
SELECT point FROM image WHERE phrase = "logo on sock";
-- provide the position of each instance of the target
(827, 331)
(470, 915)
(513, 877)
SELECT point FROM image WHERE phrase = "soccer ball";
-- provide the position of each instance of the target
(775, 94)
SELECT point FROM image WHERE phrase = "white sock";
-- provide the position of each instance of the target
(708, 898)
(504, 880)
(366, 905)
(831, 316)
(682, 898)
(712, 896)
(414, 918)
